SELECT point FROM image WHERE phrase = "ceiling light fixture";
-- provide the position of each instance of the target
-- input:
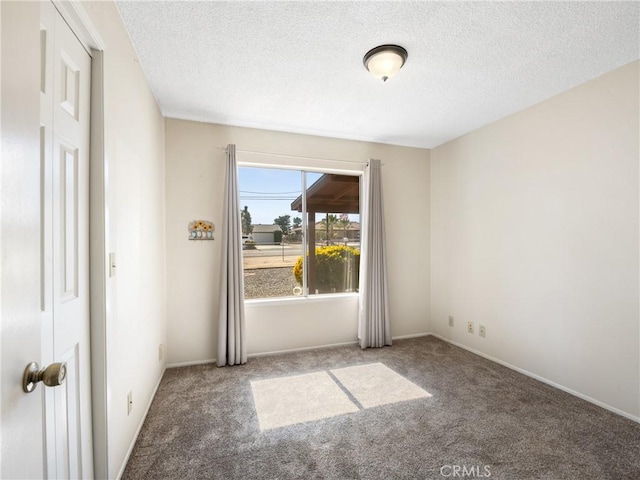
(385, 61)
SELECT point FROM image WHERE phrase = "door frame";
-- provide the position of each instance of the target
(80, 23)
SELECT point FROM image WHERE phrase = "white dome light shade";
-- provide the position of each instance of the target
(385, 61)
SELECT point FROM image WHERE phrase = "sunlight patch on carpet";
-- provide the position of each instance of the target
(287, 401)
(375, 384)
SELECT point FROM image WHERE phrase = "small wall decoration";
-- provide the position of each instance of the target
(201, 230)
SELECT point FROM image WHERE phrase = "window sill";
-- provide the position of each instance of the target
(325, 297)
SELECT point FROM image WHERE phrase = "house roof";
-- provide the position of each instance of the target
(260, 228)
(332, 193)
(353, 226)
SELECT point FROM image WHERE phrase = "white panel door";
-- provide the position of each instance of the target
(64, 133)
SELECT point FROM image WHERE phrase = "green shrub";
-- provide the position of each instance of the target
(337, 267)
(249, 245)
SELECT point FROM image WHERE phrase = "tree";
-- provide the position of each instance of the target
(327, 224)
(344, 223)
(297, 222)
(284, 222)
(245, 216)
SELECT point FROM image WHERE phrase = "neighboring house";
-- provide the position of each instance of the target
(340, 232)
(352, 232)
(265, 234)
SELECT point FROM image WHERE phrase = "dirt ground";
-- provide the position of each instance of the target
(269, 283)
(270, 262)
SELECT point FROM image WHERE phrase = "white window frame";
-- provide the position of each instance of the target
(301, 164)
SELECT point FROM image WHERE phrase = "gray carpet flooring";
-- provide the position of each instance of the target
(482, 418)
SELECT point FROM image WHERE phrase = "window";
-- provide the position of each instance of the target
(300, 232)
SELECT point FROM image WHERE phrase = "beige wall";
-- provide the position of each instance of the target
(534, 234)
(194, 183)
(134, 153)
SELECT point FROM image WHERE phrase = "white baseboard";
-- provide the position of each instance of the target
(302, 349)
(314, 347)
(262, 354)
(135, 437)
(413, 335)
(188, 364)
(291, 350)
(541, 379)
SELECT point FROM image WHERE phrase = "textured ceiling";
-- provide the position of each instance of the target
(297, 66)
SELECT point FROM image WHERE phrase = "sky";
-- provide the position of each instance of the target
(269, 192)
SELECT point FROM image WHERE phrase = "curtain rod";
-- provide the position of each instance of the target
(295, 156)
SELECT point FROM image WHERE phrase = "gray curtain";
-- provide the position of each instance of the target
(231, 323)
(374, 329)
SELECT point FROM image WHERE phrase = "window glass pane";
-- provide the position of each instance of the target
(273, 232)
(271, 236)
(333, 206)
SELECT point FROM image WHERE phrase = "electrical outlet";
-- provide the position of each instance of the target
(451, 320)
(129, 402)
(470, 327)
(160, 352)
(482, 331)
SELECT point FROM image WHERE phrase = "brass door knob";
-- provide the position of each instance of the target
(51, 376)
